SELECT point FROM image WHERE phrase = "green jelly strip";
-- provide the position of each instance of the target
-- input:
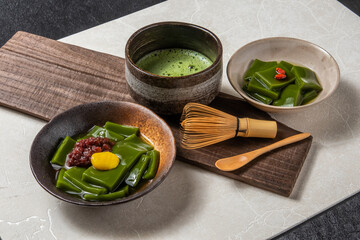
(137, 171)
(123, 130)
(286, 66)
(132, 147)
(109, 179)
(64, 184)
(267, 78)
(291, 96)
(97, 131)
(256, 66)
(258, 97)
(306, 79)
(108, 197)
(308, 96)
(153, 165)
(74, 176)
(138, 143)
(60, 155)
(128, 153)
(256, 86)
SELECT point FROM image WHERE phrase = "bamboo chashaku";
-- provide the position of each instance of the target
(203, 126)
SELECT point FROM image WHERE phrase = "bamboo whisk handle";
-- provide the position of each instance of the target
(249, 127)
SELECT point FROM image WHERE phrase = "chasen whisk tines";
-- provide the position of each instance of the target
(203, 125)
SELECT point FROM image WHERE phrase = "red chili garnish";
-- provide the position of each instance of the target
(280, 71)
(280, 76)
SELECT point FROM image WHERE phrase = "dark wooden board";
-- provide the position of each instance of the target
(44, 77)
(275, 171)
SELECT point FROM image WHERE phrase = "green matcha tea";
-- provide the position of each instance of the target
(174, 62)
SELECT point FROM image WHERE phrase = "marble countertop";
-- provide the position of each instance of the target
(192, 203)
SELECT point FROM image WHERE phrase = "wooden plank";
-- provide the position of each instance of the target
(44, 77)
(275, 171)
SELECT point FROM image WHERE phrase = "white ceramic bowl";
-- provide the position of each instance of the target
(295, 51)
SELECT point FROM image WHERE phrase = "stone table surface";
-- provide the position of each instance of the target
(192, 203)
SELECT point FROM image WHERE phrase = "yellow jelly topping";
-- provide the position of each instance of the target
(104, 160)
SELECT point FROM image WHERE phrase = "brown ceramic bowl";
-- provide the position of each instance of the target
(296, 51)
(79, 120)
(168, 95)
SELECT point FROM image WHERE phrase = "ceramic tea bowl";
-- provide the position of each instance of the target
(164, 94)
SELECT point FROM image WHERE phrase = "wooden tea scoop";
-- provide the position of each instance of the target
(236, 162)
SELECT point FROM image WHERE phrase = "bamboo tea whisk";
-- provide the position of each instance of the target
(202, 126)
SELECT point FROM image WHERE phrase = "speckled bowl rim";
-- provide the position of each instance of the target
(131, 197)
(281, 109)
(145, 28)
